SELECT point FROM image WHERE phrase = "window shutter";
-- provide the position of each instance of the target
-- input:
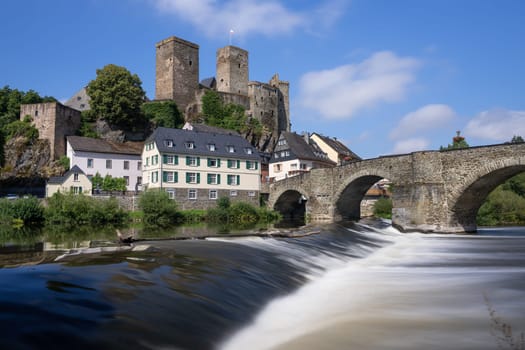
(256, 165)
(187, 160)
(209, 162)
(209, 178)
(80, 189)
(176, 176)
(164, 176)
(187, 178)
(238, 164)
(198, 161)
(176, 160)
(238, 180)
(218, 179)
(247, 164)
(164, 159)
(198, 178)
(218, 163)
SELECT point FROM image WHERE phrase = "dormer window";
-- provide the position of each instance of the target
(168, 143)
(248, 150)
(211, 147)
(190, 144)
(230, 149)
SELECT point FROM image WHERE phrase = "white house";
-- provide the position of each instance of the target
(118, 159)
(74, 181)
(334, 149)
(196, 168)
(295, 154)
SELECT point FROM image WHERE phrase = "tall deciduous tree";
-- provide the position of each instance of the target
(117, 95)
(163, 113)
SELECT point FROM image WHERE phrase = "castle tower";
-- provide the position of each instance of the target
(283, 110)
(232, 70)
(177, 71)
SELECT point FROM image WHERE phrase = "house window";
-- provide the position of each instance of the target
(281, 142)
(213, 194)
(251, 194)
(127, 180)
(155, 159)
(251, 165)
(230, 149)
(139, 165)
(304, 167)
(168, 143)
(248, 150)
(170, 159)
(233, 193)
(190, 145)
(211, 147)
(75, 177)
(108, 163)
(171, 193)
(214, 179)
(126, 165)
(192, 161)
(283, 154)
(154, 177)
(75, 189)
(150, 146)
(293, 166)
(214, 162)
(90, 163)
(277, 168)
(234, 164)
(192, 194)
(276, 155)
(139, 180)
(170, 176)
(193, 178)
(234, 180)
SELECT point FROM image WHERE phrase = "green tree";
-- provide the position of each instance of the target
(458, 142)
(117, 96)
(163, 113)
(516, 139)
(158, 208)
(383, 208)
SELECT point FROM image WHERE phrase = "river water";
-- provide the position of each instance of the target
(351, 286)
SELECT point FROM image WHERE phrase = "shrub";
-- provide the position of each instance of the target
(383, 208)
(22, 210)
(243, 213)
(158, 208)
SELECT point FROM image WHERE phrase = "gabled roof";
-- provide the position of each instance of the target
(338, 146)
(61, 179)
(301, 148)
(201, 141)
(209, 83)
(79, 101)
(88, 144)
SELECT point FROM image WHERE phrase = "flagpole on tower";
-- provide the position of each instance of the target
(231, 34)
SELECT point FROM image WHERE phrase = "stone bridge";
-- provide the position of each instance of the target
(433, 191)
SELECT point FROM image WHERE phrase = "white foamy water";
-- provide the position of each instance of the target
(417, 292)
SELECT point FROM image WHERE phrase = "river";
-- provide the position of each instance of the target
(351, 286)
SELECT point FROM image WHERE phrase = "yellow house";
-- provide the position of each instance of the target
(74, 181)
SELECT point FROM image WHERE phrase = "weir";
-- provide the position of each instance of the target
(434, 191)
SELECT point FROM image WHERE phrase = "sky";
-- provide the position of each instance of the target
(382, 76)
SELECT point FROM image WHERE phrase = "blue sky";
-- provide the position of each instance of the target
(383, 76)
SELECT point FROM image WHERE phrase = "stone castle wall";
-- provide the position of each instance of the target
(54, 122)
(177, 71)
(232, 70)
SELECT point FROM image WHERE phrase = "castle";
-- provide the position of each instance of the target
(177, 79)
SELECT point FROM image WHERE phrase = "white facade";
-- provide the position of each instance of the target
(173, 172)
(125, 166)
(282, 170)
(74, 182)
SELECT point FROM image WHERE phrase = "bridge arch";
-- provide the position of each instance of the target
(291, 203)
(352, 191)
(465, 202)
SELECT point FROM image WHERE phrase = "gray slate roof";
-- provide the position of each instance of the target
(299, 148)
(88, 144)
(201, 140)
(79, 101)
(209, 128)
(61, 179)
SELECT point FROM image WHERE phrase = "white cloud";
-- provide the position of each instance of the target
(410, 145)
(341, 92)
(431, 116)
(246, 17)
(498, 125)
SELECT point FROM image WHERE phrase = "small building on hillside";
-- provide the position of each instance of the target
(74, 181)
(118, 159)
(334, 149)
(296, 154)
(54, 122)
(196, 168)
